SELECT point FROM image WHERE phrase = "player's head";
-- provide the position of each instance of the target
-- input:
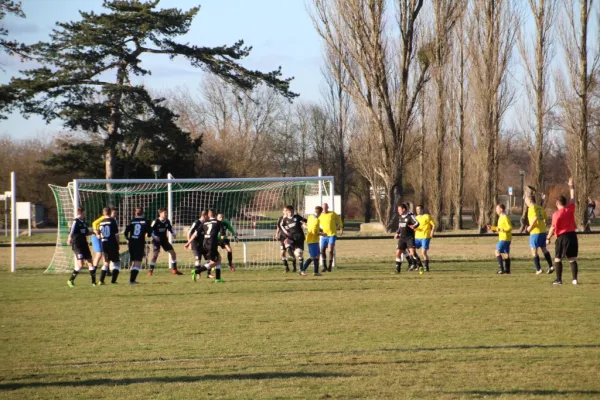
(318, 210)
(106, 211)
(113, 212)
(204, 215)
(162, 212)
(289, 210)
(325, 207)
(420, 210)
(530, 200)
(561, 201)
(139, 212)
(80, 212)
(500, 209)
(402, 208)
(220, 216)
(211, 213)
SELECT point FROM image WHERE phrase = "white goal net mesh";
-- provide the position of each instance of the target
(252, 207)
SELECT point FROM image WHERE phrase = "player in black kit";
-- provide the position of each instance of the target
(109, 235)
(196, 242)
(78, 240)
(160, 227)
(406, 236)
(291, 227)
(136, 233)
(213, 230)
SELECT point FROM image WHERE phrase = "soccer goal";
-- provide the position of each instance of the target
(253, 205)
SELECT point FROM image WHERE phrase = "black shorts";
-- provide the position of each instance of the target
(137, 251)
(164, 243)
(224, 242)
(82, 251)
(211, 250)
(198, 250)
(298, 241)
(566, 245)
(406, 243)
(111, 252)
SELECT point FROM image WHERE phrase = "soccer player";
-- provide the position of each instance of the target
(213, 230)
(279, 236)
(136, 233)
(423, 234)
(313, 234)
(160, 227)
(78, 241)
(330, 223)
(96, 242)
(537, 233)
(224, 243)
(109, 234)
(196, 241)
(504, 230)
(563, 226)
(291, 226)
(407, 223)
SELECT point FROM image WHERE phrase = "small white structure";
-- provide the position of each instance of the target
(24, 212)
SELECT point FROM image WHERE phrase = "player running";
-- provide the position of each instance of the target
(504, 230)
(331, 222)
(313, 234)
(136, 233)
(537, 234)
(78, 241)
(423, 234)
(407, 223)
(563, 225)
(109, 234)
(291, 227)
(224, 242)
(213, 230)
(160, 227)
(196, 242)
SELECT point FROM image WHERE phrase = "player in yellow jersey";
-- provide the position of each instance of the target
(96, 242)
(423, 234)
(330, 222)
(504, 230)
(537, 233)
(313, 235)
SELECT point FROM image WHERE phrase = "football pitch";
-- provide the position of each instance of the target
(360, 332)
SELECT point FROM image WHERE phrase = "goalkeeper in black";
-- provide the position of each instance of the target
(136, 233)
(407, 222)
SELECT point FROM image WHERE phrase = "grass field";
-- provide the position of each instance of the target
(359, 332)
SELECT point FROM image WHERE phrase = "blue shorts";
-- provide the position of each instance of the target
(313, 249)
(503, 246)
(327, 241)
(96, 244)
(537, 240)
(424, 243)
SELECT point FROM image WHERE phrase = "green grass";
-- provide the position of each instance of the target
(359, 332)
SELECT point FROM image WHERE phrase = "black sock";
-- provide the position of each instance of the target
(290, 252)
(93, 274)
(285, 263)
(230, 258)
(330, 264)
(174, 266)
(306, 264)
(301, 262)
(398, 265)
(574, 269)
(74, 275)
(316, 261)
(115, 275)
(133, 275)
(536, 261)
(558, 267)
(218, 276)
(294, 264)
(417, 260)
(324, 262)
(500, 263)
(102, 275)
(152, 267)
(548, 259)
(507, 265)
(427, 265)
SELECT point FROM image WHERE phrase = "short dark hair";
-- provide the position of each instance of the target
(80, 209)
(106, 210)
(319, 208)
(162, 210)
(420, 205)
(562, 200)
(502, 207)
(403, 206)
(204, 213)
(289, 207)
(139, 212)
(211, 211)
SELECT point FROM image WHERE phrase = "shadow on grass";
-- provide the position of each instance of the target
(520, 392)
(173, 379)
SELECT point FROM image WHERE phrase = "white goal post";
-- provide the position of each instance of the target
(253, 206)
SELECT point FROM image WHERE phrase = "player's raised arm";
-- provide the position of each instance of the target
(572, 190)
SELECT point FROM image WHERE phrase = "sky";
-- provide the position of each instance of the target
(280, 32)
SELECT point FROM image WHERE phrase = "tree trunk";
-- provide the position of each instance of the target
(114, 124)
(438, 203)
(368, 204)
(582, 169)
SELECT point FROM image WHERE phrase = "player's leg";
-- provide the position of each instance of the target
(217, 257)
(283, 255)
(331, 241)
(498, 252)
(571, 252)
(559, 254)
(78, 266)
(533, 245)
(399, 253)
(115, 259)
(425, 253)
(299, 253)
(324, 241)
(155, 253)
(412, 249)
(229, 255)
(168, 247)
(541, 243)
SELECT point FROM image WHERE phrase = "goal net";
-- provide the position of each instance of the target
(253, 207)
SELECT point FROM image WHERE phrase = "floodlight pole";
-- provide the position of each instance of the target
(13, 222)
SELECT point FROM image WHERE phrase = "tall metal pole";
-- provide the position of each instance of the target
(320, 188)
(13, 222)
(170, 211)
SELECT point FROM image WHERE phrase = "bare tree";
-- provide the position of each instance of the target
(379, 81)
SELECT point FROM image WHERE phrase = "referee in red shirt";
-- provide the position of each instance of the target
(563, 226)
